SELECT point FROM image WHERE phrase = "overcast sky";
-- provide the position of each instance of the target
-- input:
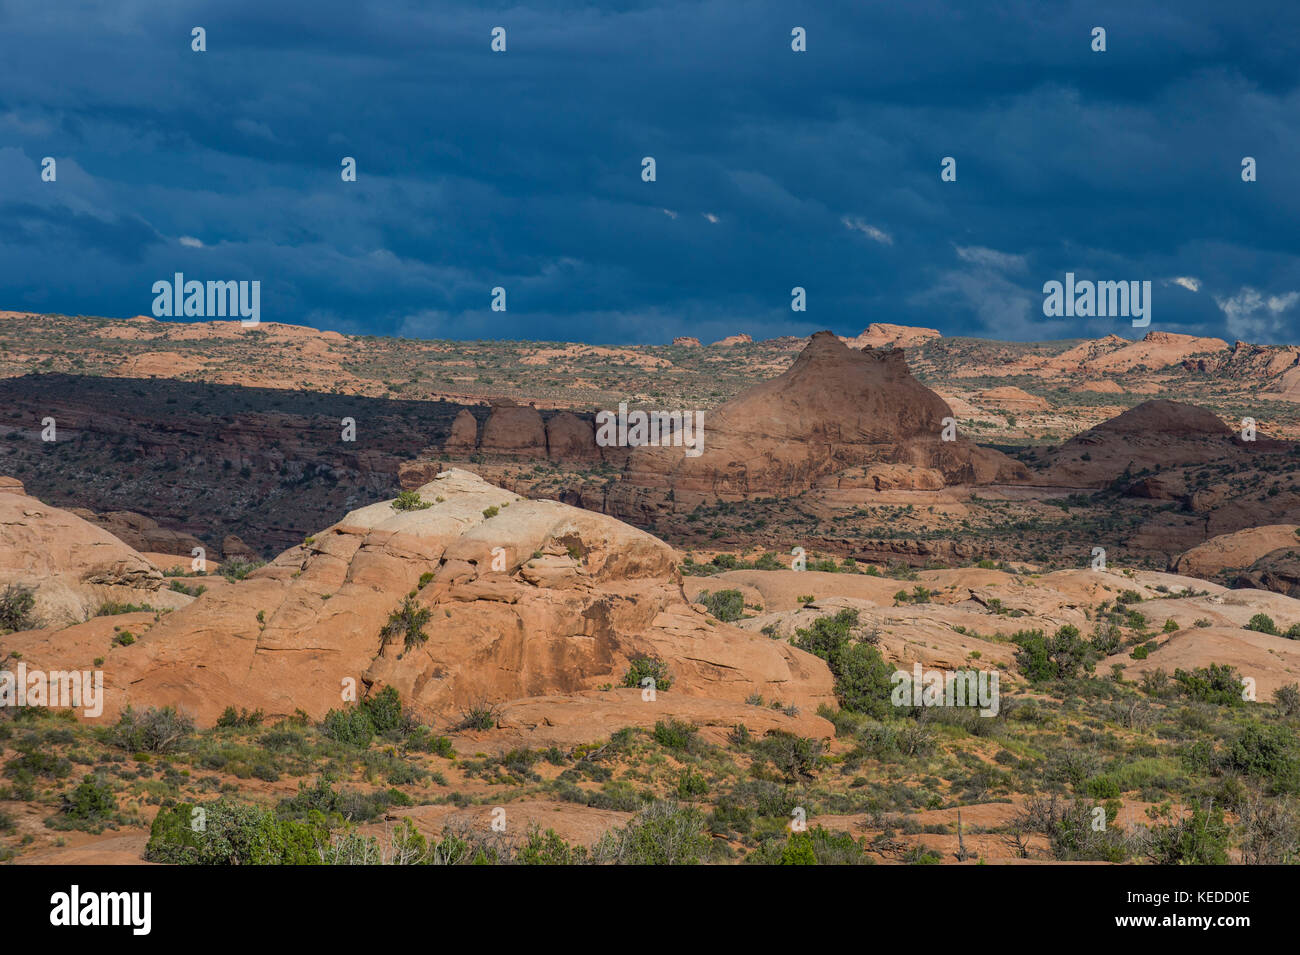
(775, 169)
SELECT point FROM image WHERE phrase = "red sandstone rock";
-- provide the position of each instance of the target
(515, 430)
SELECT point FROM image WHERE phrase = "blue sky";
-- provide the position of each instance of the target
(775, 169)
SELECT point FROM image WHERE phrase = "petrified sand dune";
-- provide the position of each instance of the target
(880, 334)
(835, 408)
(1270, 661)
(1235, 551)
(71, 565)
(523, 599)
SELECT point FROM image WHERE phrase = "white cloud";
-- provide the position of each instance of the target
(190, 242)
(670, 214)
(867, 229)
(711, 217)
(990, 258)
(1254, 317)
(1188, 282)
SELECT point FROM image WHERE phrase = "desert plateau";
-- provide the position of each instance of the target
(369, 623)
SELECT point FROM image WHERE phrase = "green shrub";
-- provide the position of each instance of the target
(92, 800)
(691, 783)
(410, 501)
(1217, 683)
(639, 668)
(240, 720)
(815, 846)
(796, 757)
(351, 726)
(407, 622)
(547, 848)
(726, 605)
(1201, 839)
(384, 709)
(1262, 623)
(228, 833)
(237, 568)
(675, 734)
(1269, 753)
(16, 605)
(1102, 787)
(1061, 657)
(663, 833)
(480, 715)
(862, 678)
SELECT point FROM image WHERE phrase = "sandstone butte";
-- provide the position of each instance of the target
(577, 597)
(834, 410)
(1156, 435)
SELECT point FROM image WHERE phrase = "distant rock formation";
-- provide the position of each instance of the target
(142, 533)
(732, 340)
(835, 409)
(233, 546)
(514, 429)
(464, 432)
(1154, 436)
(881, 334)
(1011, 398)
(570, 438)
(687, 342)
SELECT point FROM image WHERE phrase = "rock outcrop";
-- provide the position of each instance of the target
(1010, 398)
(835, 409)
(1154, 436)
(515, 430)
(482, 596)
(464, 433)
(882, 334)
(1236, 551)
(570, 438)
(72, 566)
(141, 533)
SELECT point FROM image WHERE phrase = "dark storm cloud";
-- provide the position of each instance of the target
(775, 169)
